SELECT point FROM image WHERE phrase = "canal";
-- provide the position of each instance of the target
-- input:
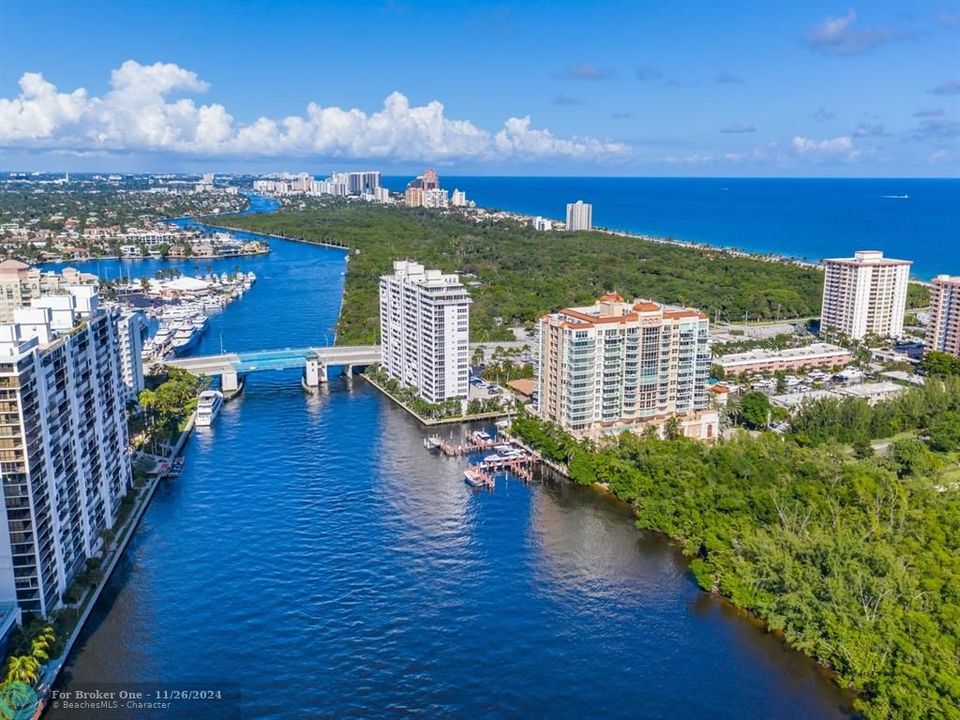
(313, 554)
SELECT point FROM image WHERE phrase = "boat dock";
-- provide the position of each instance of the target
(507, 458)
(476, 442)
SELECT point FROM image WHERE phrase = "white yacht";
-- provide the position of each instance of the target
(208, 405)
(185, 336)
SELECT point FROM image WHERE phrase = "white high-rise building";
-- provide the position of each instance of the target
(865, 295)
(543, 224)
(64, 463)
(131, 329)
(458, 198)
(617, 365)
(579, 216)
(435, 198)
(425, 331)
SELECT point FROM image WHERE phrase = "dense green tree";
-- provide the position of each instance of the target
(940, 364)
(755, 409)
(853, 561)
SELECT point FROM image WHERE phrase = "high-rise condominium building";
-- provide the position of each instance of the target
(131, 329)
(865, 295)
(359, 183)
(617, 366)
(579, 216)
(64, 462)
(943, 327)
(20, 284)
(425, 331)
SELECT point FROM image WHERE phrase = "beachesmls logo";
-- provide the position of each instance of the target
(17, 701)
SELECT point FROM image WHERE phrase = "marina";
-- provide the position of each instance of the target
(336, 496)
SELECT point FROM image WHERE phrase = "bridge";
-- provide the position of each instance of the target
(315, 361)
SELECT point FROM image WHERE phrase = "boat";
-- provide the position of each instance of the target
(185, 336)
(208, 406)
(175, 468)
(475, 477)
(434, 442)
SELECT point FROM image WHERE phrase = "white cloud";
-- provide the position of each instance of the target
(838, 36)
(142, 113)
(833, 148)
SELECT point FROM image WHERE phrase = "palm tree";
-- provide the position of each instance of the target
(23, 668)
(38, 650)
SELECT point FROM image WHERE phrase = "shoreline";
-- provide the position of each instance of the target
(761, 625)
(52, 673)
(775, 258)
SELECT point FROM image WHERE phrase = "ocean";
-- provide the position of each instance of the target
(808, 219)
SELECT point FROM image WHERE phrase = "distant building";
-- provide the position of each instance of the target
(414, 197)
(431, 181)
(943, 325)
(458, 198)
(542, 223)
(20, 284)
(425, 331)
(817, 355)
(66, 465)
(579, 216)
(865, 295)
(435, 198)
(617, 366)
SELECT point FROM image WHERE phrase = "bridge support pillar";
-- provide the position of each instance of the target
(229, 381)
(314, 373)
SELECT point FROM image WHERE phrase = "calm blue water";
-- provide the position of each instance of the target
(801, 218)
(314, 553)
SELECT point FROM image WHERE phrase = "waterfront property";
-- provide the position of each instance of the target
(619, 365)
(864, 295)
(65, 463)
(425, 331)
(808, 357)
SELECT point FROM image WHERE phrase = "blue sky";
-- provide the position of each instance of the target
(731, 89)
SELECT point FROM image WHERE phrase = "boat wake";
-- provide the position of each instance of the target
(896, 197)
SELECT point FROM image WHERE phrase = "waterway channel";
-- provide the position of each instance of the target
(313, 554)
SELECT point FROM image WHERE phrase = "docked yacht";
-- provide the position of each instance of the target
(208, 406)
(162, 341)
(185, 336)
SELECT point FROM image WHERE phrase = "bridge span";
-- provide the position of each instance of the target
(315, 361)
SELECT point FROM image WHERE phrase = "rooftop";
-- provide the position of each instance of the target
(799, 353)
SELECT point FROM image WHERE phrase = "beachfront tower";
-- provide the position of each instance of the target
(579, 216)
(865, 295)
(943, 328)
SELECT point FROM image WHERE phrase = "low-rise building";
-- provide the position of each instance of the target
(808, 357)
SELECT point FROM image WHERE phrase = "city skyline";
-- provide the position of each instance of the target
(737, 90)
